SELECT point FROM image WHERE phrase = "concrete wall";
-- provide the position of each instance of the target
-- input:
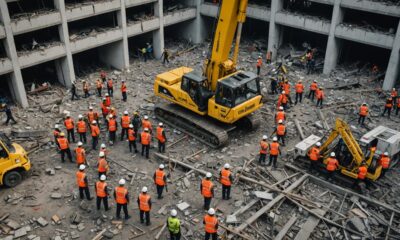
(143, 27)
(302, 22)
(179, 16)
(34, 23)
(5, 66)
(360, 35)
(2, 32)
(84, 11)
(28, 59)
(378, 7)
(100, 39)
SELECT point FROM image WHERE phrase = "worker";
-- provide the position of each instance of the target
(95, 130)
(125, 121)
(320, 96)
(105, 110)
(7, 110)
(282, 100)
(259, 64)
(149, 50)
(274, 85)
(92, 116)
(286, 89)
(101, 192)
(110, 88)
(207, 190)
(108, 100)
(398, 106)
(103, 149)
(63, 144)
(123, 90)
(280, 131)
(394, 94)
(384, 161)
(361, 173)
(103, 76)
(174, 226)
(113, 112)
(299, 91)
(80, 154)
(85, 89)
(73, 91)
(314, 156)
(81, 129)
(388, 106)
(56, 134)
(309, 58)
(144, 203)
(136, 121)
(161, 137)
(210, 222)
(332, 165)
(99, 87)
(165, 56)
(274, 150)
(144, 53)
(375, 69)
(82, 181)
(69, 125)
(160, 179)
(263, 150)
(268, 57)
(121, 196)
(132, 138)
(280, 115)
(147, 124)
(102, 165)
(313, 90)
(145, 140)
(226, 179)
(363, 113)
(112, 128)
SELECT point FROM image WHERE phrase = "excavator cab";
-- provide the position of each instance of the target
(197, 87)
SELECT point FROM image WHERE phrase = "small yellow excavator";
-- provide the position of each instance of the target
(207, 105)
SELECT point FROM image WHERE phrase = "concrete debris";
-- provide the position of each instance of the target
(264, 195)
(42, 222)
(182, 206)
(20, 233)
(56, 195)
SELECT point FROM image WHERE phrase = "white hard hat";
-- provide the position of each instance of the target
(68, 114)
(146, 129)
(80, 143)
(227, 165)
(280, 121)
(126, 113)
(103, 145)
(144, 189)
(80, 116)
(275, 139)
(90, 108)
(123, 80)
(110, 115)
(94, 122)
(333, 154)
(161, 166)
(283, 92)
(208, 175)
(211, 211)
(104, 99)
(160, 124)
(121, 182)
(146, 117)
(101, 154)
(264, 137)
(56, 126)
(82, 167)
(174, 213)
(103, 177)
(386, 153)
(130, 125)
(318, 144)
(280, 108)
(107, 95)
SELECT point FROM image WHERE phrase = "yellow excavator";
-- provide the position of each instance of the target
(209, 104)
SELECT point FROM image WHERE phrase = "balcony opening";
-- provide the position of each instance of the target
(255, 35)
(308, 8)
(40, 74)
(87, 62)
(361, 55)
(370, 21)
(174, 5)
(29, 8)
(263, 3)
(140, 13)
(3, 52)
(136, 45)
(92, 26)
(6, 90)
(37, 40)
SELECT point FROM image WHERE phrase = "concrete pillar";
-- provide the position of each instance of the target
(122, 24)
(195, 30)
(274, 29)
(17, 82)
(113, 54)
(64, 66)
(393, 69)
(158, 35)
(334, 44)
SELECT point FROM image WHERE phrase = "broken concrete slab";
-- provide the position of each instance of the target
(56, 195)
(13, 224)
(28, 133)
(182, 206)
(357, 224)
(42, 222)
(20, 233)
(231, 219)
(264, 195)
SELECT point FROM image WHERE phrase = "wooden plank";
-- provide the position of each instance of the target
(99, 235)
(160, 232)
(234, 232)
(286, 228)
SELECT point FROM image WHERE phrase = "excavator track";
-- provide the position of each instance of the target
(199, 127)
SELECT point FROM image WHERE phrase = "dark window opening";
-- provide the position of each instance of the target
(37, 40)
(140, 13)
(309, 8)
(93, 25)
(26, 8)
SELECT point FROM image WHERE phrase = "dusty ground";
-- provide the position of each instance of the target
(31, 200)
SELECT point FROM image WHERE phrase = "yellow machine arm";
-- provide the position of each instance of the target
(231, 17)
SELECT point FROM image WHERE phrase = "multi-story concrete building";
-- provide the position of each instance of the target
(78, 32)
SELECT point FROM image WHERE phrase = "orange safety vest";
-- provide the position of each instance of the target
(145, 138)
(362, 172)
(313, 86)
(206, 188)
(126, 120)
(210, 224)
(102, 165)
(259, 62)
(80, 155)
(280, 116)
(108, 101)
(80, 179)
(264, 147)
(286, 88)
(160, 177)
(314, 154)
(63, 143)
(393, 93)
(398, 102)
(81, 125)
(56, 133)
(225, 177)
(389, 103)
(144, 202)
(123, 87)
(299, 88)
(320, 94)
(101, 189)
(99, 84)
(120, 195)
(332, 164)
(131, 135)
(104, 108)
(363, 111)
(160, 136)
(274, 149)
(95, 130)
(282, 98)
(110, 83)
(92, 116)
(384, 162)
(280, 129)
(146, 124)
(112, 125)
(69, 123)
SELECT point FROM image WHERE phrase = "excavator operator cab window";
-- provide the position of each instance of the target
(197, 87)
(3, 152)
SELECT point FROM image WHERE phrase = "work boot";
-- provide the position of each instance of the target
(127, 217)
